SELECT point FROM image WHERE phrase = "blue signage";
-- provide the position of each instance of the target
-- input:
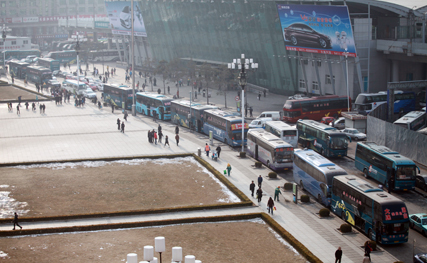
(317, 29)
(120, 16)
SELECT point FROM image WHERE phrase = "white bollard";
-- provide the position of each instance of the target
(132, 258)
(177, 254)
(190, 259)
(148, 253)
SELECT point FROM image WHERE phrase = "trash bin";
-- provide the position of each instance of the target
(199, 152)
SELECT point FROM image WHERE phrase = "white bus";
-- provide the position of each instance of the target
(414, 120)
(74, 87)
(284, 131)
(270, 150)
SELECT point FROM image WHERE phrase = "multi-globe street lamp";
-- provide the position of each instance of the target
(346, 70)
(3, 36)
(243, 64)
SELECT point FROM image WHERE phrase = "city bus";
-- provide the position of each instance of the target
(38, 74)
(314, 173)
(74, 86)
(225, 126)
(69, 56)
(275, 153)
(322, 138)
(49, 63)
(19, 54)
(315, 108)
(381, 216)
(384, 165)
(104, 55)
(403, 101)
(180, 113)
(118, 95)
(149, 103)
(284, 131)
(18, 68)
(414, 120)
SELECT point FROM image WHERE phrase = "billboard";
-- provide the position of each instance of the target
(317, 29)
(119, 13)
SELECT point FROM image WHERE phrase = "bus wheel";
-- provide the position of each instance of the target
(343, 216)
(268, 164)
(365, 173)
(301, 185)
(370, 234)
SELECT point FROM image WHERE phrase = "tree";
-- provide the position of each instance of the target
(162, 69)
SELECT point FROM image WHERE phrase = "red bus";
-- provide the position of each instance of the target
(315, 108)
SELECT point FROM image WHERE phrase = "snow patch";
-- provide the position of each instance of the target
(9, 205)
(2, 254)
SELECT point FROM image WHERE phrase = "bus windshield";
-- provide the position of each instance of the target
(406, 172)
(283, 156)
(339, 142)
(396, 228)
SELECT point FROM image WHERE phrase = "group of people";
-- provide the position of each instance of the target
(120, 125)
(153, 136)
(259, 193)
(366, 258)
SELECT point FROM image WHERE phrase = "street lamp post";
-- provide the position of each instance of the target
(4, 29)
(346, 70)
(243, 64)
(133, 59)
(77, 48)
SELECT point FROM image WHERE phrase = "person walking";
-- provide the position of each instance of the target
(276, 193)
(15, 221)
(368, 250)
(218, 150)
(155, 137)
(270, 205)
(125, 115)
(118, 124)
(207, 149)
(176, 129)
(160, 136)
(250, 111)
(167, 141)
(159, 128)
(123, 127)
(228, 169)
(259, 194)
(17, 110)
(177, 139)
(338, 255)
(259, 181)
(112, 108)
(26, 105)
(265, 92)
(252, 188)
(149, 136)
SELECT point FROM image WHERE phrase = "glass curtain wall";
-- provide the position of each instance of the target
(220, 30)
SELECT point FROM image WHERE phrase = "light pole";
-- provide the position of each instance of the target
(77, 48)
(190, 121)
(243, 64)
(133, 59)
(346, 70)
(3, 36)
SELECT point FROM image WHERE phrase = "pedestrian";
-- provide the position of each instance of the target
(259, 95)
(26, 105)
(149, 136)
(112, 108)
(176, 129)
(15, 221)
(250, 111)
(17, 110)
(167, 141)
(159, 128)
(265, 92)
(366, 259)
(155, 137)
(228, 169)
(177, 139)
(246, 110)
(123, 127)
(218, 150)
(33, 106)
(207, 149)
(368, 250)
(338, 255)
(19, 100)
(118, 124)
(259, 194)
(252, 188)
(160, 136)
(125, 115)
(259, 181)
(169, 90)
(270, 205)
(41, 108)
(276, 193)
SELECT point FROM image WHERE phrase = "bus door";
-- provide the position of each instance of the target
(162, 113)
(326, 193)
(256, 151)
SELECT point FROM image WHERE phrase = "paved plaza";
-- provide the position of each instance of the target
(65, 132)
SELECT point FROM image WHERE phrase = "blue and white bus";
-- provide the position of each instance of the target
(69, 56)
(403, 101)
(151, 103)
(225, 126)
(322, 138)
(284, 131)
(386, 166)
(270, 150)
(180, 113)
(18, 54)
(118, 95)
(49, 63)
(314, 173)
(39, 75)
(381, 216)
(414, 121)
(74, 86)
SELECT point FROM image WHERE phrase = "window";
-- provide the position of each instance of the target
(319, 63)
(305, 61)
(327, 79)
(315, 85)
(302, 83)
(25, 41)
(13, 42)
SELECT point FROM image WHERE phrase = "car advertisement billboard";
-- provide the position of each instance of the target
(119, 14)
(317, 29)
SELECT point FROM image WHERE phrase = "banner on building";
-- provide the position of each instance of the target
(317, 29)
(102, 24)
(119, 13)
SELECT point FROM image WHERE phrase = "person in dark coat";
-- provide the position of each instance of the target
(125, 115)
(167, 141)
(338, 255)
(176, 129)
(159, 129)
(177, 139)
(112, 108)
(149, 136)
(218, 150)
(270, 205)
(17, 110)
(368, 249)
(15, 221)
(118, 124)
(252, 188)
(160, 136)
(123, 127)
(259, 181)
(259, 194)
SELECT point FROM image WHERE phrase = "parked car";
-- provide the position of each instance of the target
(354, 134)
(339, 123)
(88, 93)
(420, 258)
(259, 123)
(56, 73)
(327, 120)
(93, 86)
(421, 181)
(300, 34)
(418, 222)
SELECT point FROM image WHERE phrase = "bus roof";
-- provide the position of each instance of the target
(48, 59)
(366, 188)
(73, 81)
(409, 117)
(386, 152)
(320, 126)
(327, 97)
(228, 115)
(154, 95)
(318, 160)
(19, 62)
(117, 86)
(38, 68)
(269, 138)
(280, 125)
